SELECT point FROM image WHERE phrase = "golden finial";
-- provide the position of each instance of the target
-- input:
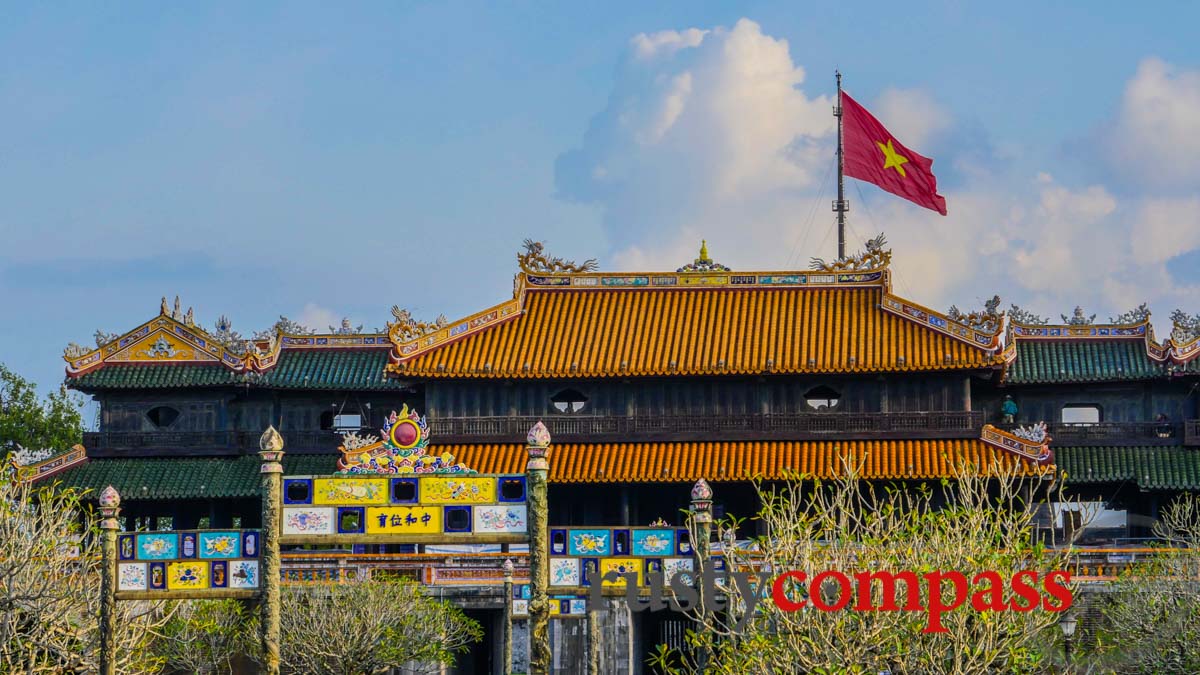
(703, 249)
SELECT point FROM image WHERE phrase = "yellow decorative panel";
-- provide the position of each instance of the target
(455, 490)
(404, 520)
(161, 346)
(350, 491)
(187, 575)
(621, 566)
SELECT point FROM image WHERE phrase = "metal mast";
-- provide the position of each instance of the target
(841, 206)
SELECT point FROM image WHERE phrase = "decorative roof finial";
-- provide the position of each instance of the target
(109, 497)
(701, 491)
(508, 569)
(164, 310)
(270, 441)
(703, 263)
(539, 436)
(874, 256)
(535, 261)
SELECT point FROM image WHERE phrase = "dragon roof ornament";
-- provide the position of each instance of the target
(406, 329)
(873, 257)
(703, 263)
(988, 320)
(535, 261)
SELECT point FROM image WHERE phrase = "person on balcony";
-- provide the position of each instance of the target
(1163, 427)
(1009, 409)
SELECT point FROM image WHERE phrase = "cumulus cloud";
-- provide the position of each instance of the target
(1155, 138)
(710, 134)
(317, 318)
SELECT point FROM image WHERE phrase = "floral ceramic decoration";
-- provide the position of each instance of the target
(131, 577)
(243, 574)
(503, 518)
(157, 546)
(220, 544)
(564, 572)
(653, 542)
(307, 520)
(589, 542)
(187, 575)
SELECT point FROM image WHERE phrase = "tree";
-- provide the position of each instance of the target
(970, 524)
(1152, 617)
(50, 588)
(28, 422)
(370, 627)
(207, 636)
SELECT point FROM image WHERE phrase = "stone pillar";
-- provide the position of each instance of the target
(702, 523)
(593, 641)
(271, 451)
(110, 506)
(539, 550)
(506, 659)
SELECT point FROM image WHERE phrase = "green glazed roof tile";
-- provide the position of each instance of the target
(1050, 361)
(162, 478)
(358, 369)
(1151, 468)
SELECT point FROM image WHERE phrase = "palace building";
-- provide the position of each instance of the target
(647, 383)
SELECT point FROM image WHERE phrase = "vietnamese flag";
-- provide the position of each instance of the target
(871, 153)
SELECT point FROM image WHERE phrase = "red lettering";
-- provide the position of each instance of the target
(1058, 590)
(843, 592)
(888, 580)
(1023, 588)
(779, 593)
(936, 606)
(990, 599)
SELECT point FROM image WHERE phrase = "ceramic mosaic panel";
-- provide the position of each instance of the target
(564, 572)
(307, 520)
(350, 491)
(243, 574)
(589, 542)
(187, 575)
(673, 566)
(404, 520)
(502, 518)
(131, 577)
(653, 542)
(220, 545)
(157, 546)
(621, 566)
(458, 490)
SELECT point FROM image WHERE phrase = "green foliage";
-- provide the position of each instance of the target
(32, 423)
(207, 636)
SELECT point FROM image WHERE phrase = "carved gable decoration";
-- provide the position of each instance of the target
(404, 449)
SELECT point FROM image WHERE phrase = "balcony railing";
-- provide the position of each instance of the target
(797, 426)
(1113, 433)
(143, 443)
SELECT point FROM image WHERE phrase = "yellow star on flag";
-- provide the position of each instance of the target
(892, 159)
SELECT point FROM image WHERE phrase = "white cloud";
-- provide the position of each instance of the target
(318, 318)
(1156, 136)
(708, 134)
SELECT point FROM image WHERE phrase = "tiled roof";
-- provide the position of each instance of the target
(1151, 468)
(1082, 360)
(197, 478)
(727, 461)
(648, 331)
(331, 368)
(161, 478)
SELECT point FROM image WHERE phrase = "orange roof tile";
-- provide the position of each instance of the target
(603, 332)
(733, 460)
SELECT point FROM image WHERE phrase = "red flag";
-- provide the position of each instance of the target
(872, 154)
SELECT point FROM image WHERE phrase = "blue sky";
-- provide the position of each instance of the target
(322, 161)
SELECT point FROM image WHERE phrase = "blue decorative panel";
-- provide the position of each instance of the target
(220, 545)
(351, 519)
(125, 547)
(511, 489)
(220, 574)
(558, 542)
(589, 542)
(457, 519)
(653, 542)
(158, 576)
(189, 545)
(400, 486)
(297, 491)
(157, 547)
(589, 567)
(620, 542)
(683, 544)
(250, 544)
(654, 566)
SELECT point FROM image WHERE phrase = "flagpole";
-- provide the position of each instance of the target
(841, 206)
